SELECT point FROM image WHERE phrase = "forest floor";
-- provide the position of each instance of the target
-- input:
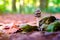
(19, 19)
(8, 18)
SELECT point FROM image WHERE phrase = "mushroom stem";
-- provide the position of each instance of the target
(38, 23)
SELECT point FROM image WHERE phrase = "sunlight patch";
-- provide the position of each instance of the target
(1, 2)
(51, 4)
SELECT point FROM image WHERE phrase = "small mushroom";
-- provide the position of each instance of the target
(38, 15)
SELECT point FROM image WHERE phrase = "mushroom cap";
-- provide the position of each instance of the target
(37, 13)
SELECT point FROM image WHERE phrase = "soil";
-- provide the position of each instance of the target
(31, 19)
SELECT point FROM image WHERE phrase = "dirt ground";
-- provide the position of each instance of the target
(21, 18)
(10, 20)
(16, 18)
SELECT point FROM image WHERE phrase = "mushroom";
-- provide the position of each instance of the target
(38, 15)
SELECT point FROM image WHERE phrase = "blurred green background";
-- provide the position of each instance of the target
(29, 6)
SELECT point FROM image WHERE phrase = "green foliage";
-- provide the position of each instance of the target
(28, 28)
(55, 26)
(29, 9)
(2, 9)
(43, 23)
(56, 1)
(53, 10)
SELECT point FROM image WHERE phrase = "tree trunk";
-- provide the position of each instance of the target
(14, 5)
(21, 7)
(43, 4)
